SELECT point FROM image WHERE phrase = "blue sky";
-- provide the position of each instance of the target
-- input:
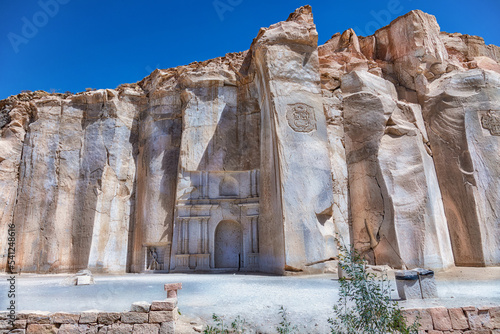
(69, 45)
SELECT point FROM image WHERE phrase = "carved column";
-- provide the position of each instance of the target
(185, 236)
(180, 222)
(255, 234)
(201, 237)
(205, 235)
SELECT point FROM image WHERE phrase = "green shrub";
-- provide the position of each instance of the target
(285, 326)
(365, 304)
(237, 326)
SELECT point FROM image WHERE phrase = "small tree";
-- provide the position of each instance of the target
(365, 304)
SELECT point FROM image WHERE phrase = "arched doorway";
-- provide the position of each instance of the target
(228, 241)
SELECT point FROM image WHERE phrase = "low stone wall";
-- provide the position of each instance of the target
(157, 317)
(442, 320)
(145, 318)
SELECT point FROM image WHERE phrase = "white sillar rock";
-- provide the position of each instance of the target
(12, 134)
(75, 184)
(296, 163)
(254, 160)
(463, 117)
(395, 198)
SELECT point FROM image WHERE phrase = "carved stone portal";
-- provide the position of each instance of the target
(491, 121)
(228, 244)
(301, 117)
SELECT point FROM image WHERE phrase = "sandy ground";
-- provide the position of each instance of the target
(256, 298)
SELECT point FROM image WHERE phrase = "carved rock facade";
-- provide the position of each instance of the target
(254, 161)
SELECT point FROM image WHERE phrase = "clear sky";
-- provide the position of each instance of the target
(69, 45)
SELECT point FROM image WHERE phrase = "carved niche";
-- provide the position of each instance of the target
(491, 121)
(301, 117)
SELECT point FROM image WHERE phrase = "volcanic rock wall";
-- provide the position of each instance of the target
(390, 140)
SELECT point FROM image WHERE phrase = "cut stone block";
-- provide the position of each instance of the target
(146, 328)
(161, 316)
(458, 318)
(164, 305)
(107, 318)
(408, 284)
(472, 315)
(495, 317)
(65, 318)
(422, 315)
(120, 329)
(440, 318)
(41, 329)
(140, 307)
(427, 283)
(167, 327)
(75, 329)
(39, 318)
(84, 280)
(88, 317)
(134, 317)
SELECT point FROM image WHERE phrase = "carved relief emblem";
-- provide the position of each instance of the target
(300, 117)
(491, 121)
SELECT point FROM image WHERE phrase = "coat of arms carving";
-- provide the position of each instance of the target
(491, 121)
(301, 117)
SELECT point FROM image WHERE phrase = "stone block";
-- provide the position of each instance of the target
(134, 317)
(473, 317)
(440, 318)
(495, 317)
(161, 316)
(423, 315)
(146, 328)
(408, 284)
(41, 329)
(108, 318)
(164, 305)
(427, 283)
(458, 318)
(432, 331)
(76, 329)
(140, 307)
(3, 315)
(484, 316)
(84, 280)
(120, 329)
(167, 327)
(88, 317)
(39, 318)
(65, 318)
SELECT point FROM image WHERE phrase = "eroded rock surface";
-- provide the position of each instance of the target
(255, 160)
